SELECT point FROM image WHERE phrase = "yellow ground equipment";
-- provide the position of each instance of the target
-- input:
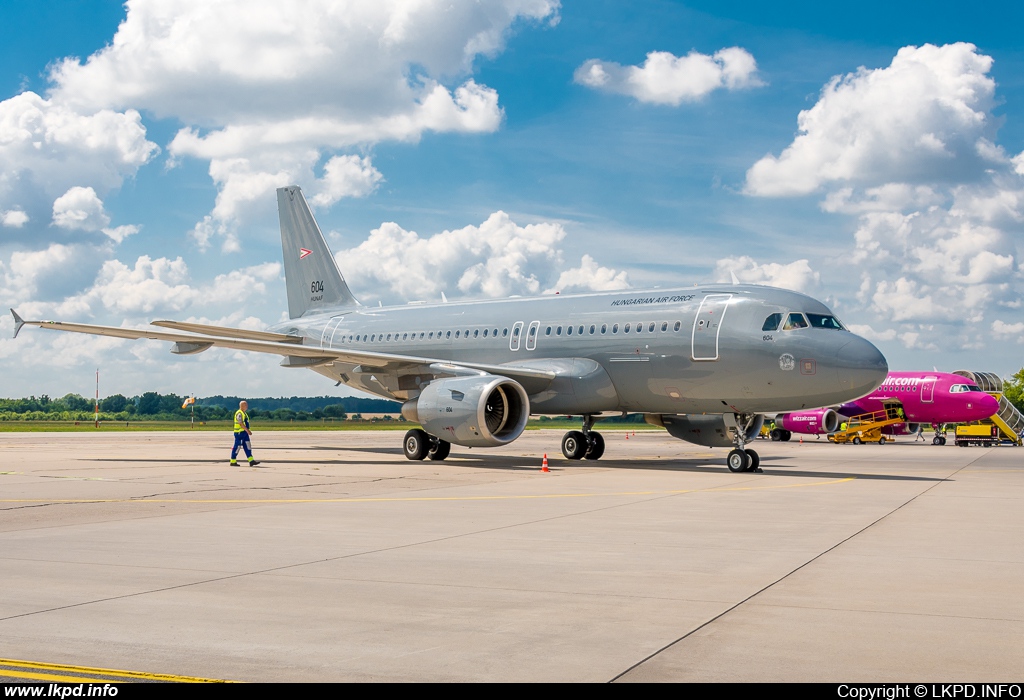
(866, 427)
(983, 434)
(1008, 420)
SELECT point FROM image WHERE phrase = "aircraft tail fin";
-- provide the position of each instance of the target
(310, 271)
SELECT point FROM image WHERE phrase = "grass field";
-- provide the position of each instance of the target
(225, 426)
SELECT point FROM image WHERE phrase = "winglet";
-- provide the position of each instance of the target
(18, 322)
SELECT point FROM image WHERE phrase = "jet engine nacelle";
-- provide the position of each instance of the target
(824, 420)
(713, 430)
(901, 429)
(479, 411)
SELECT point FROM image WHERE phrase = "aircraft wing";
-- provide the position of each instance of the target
(187, 343)
(226, 332)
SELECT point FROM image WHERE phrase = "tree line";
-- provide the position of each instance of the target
(152, 405)
(155, 406)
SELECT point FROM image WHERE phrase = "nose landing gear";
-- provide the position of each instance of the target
(741, 459)
(583, 444)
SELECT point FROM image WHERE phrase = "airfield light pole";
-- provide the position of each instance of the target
(96, 407)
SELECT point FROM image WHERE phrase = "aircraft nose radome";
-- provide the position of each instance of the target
(988, 405)
(861, 367)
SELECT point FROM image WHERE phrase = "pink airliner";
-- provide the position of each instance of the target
(925, 397)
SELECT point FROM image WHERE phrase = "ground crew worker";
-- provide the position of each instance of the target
(242, 433)
(920, 433)
(844, 426)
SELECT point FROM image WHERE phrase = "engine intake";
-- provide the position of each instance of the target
(480, 411)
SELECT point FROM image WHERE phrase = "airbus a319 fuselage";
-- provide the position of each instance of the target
(705, 362)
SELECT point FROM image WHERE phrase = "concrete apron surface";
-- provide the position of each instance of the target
(338, 559)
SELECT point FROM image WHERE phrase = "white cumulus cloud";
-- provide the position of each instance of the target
(495, 259)
(909, 150)
(80, 209)
(240, 75)
(13, 218)
(921, 118)
(666, 79)
(796, 275)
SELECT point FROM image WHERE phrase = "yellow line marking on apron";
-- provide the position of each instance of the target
(416, 499)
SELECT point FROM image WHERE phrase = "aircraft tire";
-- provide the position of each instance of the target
(574, 445)
(596, 449)
(936, 440)
(755, 461)
(786, 435)
(416, 444)
(942, 440)
(439, 451)
(775, 435)
(737, 461)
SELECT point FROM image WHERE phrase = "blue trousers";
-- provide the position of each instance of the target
(241, 440)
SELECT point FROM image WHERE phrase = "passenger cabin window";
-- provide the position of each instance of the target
(580, 330)
(823, 321)
(592, 329)
(547, 331)
(664, 326)
(625, 328)
(504, 332)
(615, 328)
(650, 328)
(677, 326)
(568, 331)
(772, 322)
(795, 321)
(604, 328)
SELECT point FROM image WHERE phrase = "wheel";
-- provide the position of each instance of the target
(416, 445)
(439, 450)
(786, 435)
(574, 445)
(942, 440)
(856, 441)
(776, 435)
(755, 460)
(596, 448)
(936, 440)
(738, 461)
(881, 440)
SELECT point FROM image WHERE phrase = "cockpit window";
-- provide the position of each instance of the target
(772, 322)
(795, 321)
(822, 321)
(961, 388)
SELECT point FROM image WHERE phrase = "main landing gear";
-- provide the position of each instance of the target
(418, 445)
(585, 444)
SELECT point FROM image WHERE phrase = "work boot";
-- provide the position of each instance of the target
(233, 463)
(253, 462)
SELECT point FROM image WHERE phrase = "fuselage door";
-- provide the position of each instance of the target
(327, 337)
(928, 389)
(517, 332)
(531, 335)
(708, 325)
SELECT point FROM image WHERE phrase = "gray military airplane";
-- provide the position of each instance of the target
(705, 362)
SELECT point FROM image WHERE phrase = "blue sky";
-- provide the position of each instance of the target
(899, 200)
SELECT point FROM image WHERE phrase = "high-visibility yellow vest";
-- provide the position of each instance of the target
(240, 420)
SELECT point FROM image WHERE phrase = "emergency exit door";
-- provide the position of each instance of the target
(708, 325)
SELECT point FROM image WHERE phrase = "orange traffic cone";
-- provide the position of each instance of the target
(634, 433)
(544, 467)
(627, 436)
(801, 439)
